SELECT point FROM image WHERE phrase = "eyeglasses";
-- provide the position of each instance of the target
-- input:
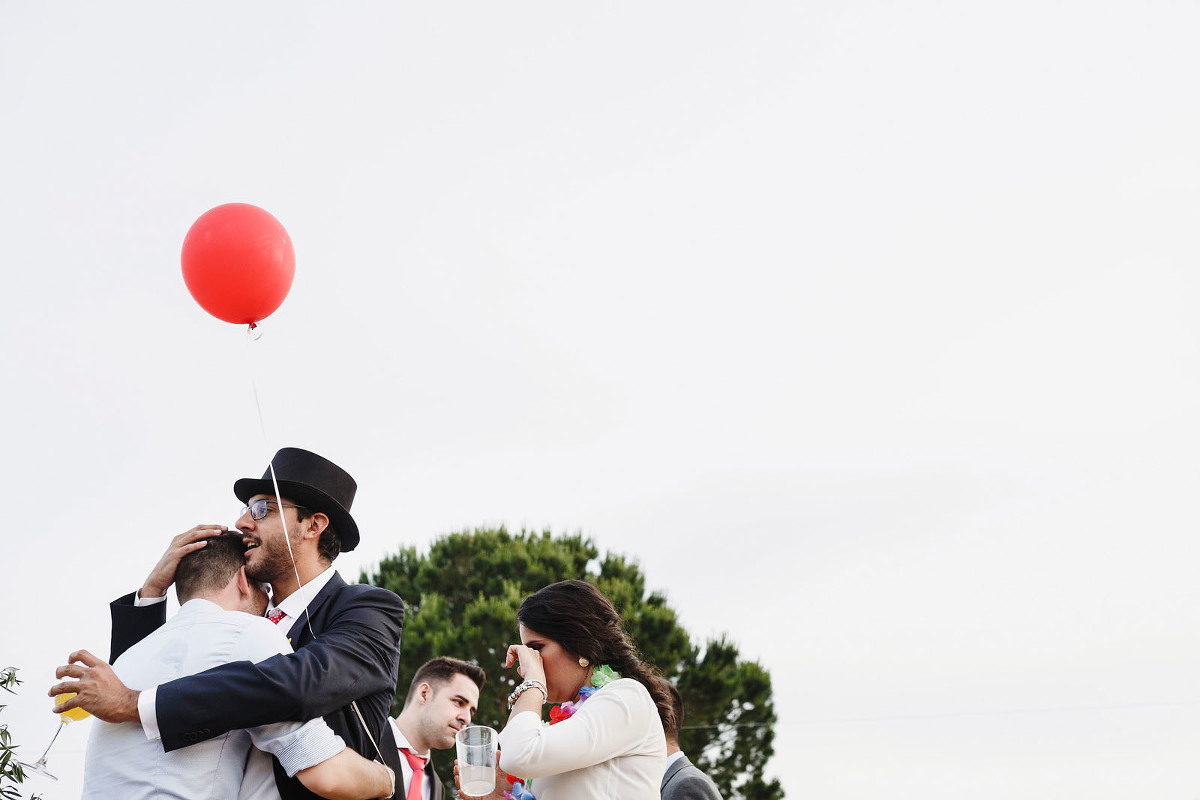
(260, 508)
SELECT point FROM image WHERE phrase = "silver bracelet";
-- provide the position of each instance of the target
(520, 690)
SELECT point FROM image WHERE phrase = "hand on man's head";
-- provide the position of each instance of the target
(163, 574)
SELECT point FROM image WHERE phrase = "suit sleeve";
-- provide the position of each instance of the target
(131, 624)
(352, 658)
(691, 785)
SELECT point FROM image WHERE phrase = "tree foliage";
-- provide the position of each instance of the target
(11, 772)
(462, 601)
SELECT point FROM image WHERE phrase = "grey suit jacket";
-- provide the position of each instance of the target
(685, 781)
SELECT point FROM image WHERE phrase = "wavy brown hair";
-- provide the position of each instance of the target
(579, 617)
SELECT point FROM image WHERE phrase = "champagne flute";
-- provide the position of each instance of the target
(74, 714)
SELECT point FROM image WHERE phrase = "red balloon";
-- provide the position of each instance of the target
(238, 263)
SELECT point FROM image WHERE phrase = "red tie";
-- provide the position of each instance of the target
(417, 785)
(276, 615)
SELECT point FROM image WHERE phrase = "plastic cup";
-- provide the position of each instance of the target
(476, 746)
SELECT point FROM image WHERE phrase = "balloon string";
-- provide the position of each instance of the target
(250, 336)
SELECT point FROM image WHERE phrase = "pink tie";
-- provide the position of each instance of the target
(417, 785)
(276, 615)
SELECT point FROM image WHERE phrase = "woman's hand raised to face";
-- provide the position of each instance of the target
(528, 661)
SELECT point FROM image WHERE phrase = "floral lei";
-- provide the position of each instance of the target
(601, 676)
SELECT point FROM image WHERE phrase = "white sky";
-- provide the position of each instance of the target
(868, 329)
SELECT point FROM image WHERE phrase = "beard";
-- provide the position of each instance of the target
(273, 562)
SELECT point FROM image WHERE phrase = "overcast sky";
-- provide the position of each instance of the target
(867, 328)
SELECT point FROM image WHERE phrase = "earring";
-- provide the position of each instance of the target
(583, 662)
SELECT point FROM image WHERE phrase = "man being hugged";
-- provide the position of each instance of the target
(220, 620)
(346, 639)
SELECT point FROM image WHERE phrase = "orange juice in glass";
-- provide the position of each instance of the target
(63, 718)
(75, 714)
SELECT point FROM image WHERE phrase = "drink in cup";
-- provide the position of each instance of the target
(64, 717)
(75, 713)
(476, 746)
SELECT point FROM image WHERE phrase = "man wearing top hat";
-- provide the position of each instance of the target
(346, 641)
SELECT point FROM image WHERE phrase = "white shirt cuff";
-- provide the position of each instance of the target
(146, 712)
(139, 601)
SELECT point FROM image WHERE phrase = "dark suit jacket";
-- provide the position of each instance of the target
(354, 656)
(438, 793)
(685, 781)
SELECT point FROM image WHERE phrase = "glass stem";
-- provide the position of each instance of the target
(61, 724)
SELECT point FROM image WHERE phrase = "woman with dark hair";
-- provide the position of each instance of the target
(605, 739)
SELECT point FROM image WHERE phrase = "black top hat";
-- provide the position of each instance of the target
(311, 481)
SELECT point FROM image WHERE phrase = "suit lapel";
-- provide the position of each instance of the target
(297, 634)
(434, 781)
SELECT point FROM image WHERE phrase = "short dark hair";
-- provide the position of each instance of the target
(442, 670)
(672, 729)
(210, 568)
(582, 620)
(329, 546)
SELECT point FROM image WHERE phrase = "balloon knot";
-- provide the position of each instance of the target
(253, 325)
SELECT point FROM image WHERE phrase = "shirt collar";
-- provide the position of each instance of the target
(199, 605)
(671, 759)
(402, 741)
(293, 604)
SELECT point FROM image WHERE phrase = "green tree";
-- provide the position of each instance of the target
(11, 773)
(462, 601)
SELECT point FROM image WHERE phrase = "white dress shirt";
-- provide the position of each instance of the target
(405, 779)
(294, 604)
(122, 762)
(612, 746)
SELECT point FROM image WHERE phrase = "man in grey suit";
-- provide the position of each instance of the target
(683, 780)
